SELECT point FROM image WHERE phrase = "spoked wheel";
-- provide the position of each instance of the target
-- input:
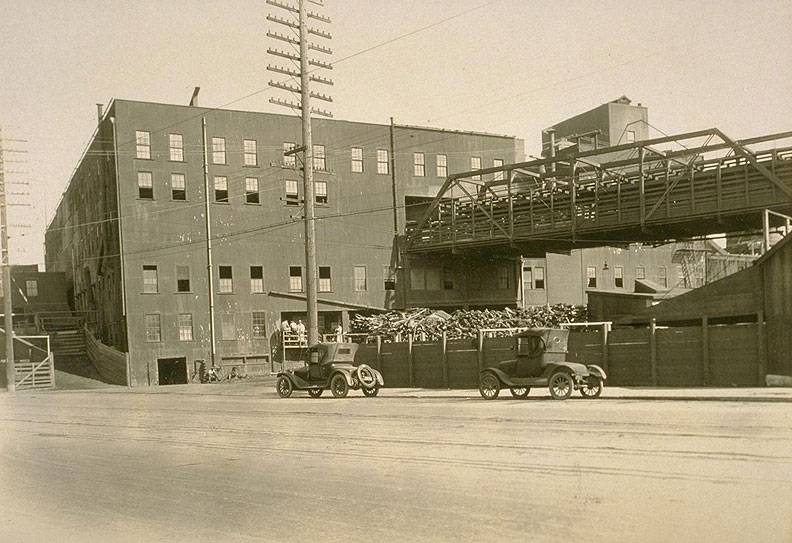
(371, 392)
(561, 385)
(284, 387)
(489, 386)
(339, 386)
(520, 392)
(591, 390)
(315, 392)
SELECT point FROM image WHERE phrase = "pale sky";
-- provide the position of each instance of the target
(511, 67)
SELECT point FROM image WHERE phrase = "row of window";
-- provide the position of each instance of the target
(178, 188)
(443, 279)
(618, 276)
(151, 282)
(218, 151)
(218, 155)
(184, 326)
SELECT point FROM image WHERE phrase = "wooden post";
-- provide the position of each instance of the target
(653, 349)
(604, 338)
(480, 350)
(641, 186)
(444, 343)
(761, 365)
(410, 377)
(706, 372)
(572, 197)
(379, 353)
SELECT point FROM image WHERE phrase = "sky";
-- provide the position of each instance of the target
(508, 67)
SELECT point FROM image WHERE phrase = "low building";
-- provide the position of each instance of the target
(33, 293)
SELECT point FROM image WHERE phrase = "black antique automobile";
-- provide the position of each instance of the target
(541, 360)
(330, 365)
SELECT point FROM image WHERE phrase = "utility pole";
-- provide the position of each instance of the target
(301, 26)
(7, 305)
(208, 227)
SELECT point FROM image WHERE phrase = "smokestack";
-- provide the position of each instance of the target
(194, 99)
(99, 113)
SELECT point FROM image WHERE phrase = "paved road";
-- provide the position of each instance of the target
(234, 463)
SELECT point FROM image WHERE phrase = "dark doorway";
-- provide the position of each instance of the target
(172, 371)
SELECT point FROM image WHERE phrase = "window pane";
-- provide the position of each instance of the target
(145, 185)
(176, 144)
(319, 162)
(153, 330)
(295, 278)
(256, 279)
(289, 160)
(389, 278)
(143, 144)
(227, 326)
(218, 151)
(539, 277)
(150, 285)
(360, 278)
(182, 279)
(259, 324)
(419, 165)
(185, 327)
(250, 152)
(591, 276)
(324, 279)
(357, 160)
(292, 197)
(226, 280)
(320, 192)
(475, 164)
(251, 190)
(221, 189)
(383, 164)
(496, 163)
(442, 166)
(31, 288)
(178, 185)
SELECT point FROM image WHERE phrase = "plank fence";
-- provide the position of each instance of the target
(689, 356)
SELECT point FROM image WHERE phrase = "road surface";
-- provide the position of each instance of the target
(232, 462)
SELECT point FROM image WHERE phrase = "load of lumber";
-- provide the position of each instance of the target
(428, 324)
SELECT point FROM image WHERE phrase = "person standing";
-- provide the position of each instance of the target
(339, 332)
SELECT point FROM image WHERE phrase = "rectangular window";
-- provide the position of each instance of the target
(256, 279)
(359, 273)
(289, 161)
(419, 164)
(295, 279)
(528, 277)
(221, 188)
(182, 279)
(292, 196)
(442, 166)
(497, 163)
(448, 279)
(150, 281)
(357, 160)
(178, 186)
(640, 272)
(176, 145)
(145, 185)
(319, 158)
(250, 155)
(539, 277)
(226, 285)
(383, 161)
(218, 151)
(630, 136)
(185, 323)
(662, 276)
(153, 329)
(251, 190)
(417, 279)
(259, 325)
(504, 277)
(324, 279)
(591, 277)
(475, 164)
(142, 144)
(227, 326)
(31, 288)
(320, 192)
(433, 279)
(389, 277)
(618, 277)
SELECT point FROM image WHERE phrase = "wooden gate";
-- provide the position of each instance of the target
(33, 362)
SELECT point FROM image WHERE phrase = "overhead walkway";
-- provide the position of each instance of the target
(658, 190)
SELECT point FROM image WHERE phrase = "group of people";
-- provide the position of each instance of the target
(298, 328)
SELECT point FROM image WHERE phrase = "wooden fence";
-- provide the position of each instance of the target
(110, 363)
(706, 355)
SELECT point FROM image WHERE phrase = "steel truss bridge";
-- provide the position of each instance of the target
(706, 184)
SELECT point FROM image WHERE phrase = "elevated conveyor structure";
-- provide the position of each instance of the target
(699, 183)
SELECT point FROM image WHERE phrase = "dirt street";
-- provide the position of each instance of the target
(235, 463)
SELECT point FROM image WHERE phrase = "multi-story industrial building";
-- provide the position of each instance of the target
(132, 227)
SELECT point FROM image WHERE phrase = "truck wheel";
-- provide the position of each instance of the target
(339, 386)
(561, 385)
(315, 392)
(371, 392)
(284, 387)
(520, 392)
(489, 386)
(591, 390)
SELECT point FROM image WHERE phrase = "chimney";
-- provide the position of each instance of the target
(194, 99)
(99, 113)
